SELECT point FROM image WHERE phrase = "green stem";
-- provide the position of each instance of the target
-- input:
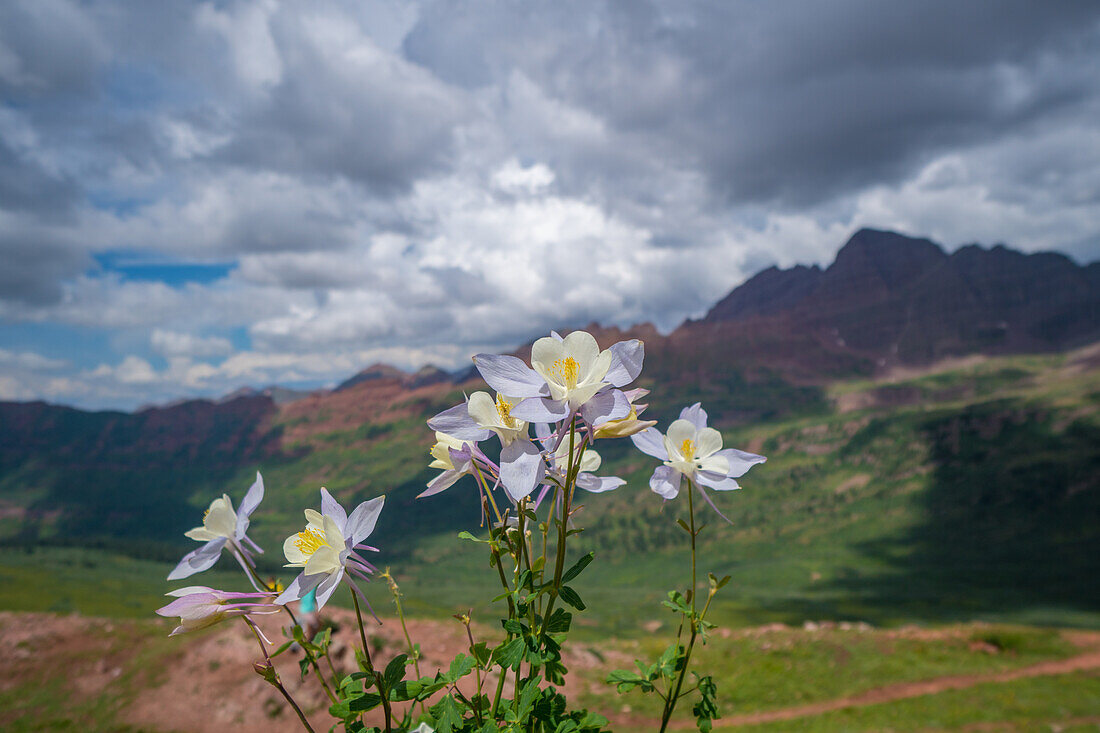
(382, 693)
(477, 669)
(275, 680)
(563, 521)
(335, 675)
(263, 584)
(396, 591)
(500, 690)
(489, 494)
(674, 695)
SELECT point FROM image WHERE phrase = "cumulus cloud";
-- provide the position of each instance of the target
(172, 344)
(415, 182)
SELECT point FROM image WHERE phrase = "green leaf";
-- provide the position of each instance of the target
(461, 666)
(684, 525)
(482, 654)
(322, 640)
(406, 690)
(510, 654)
(395, 670)
(464, 535)
(559, 621)
(282, 648)
(677, 602)
(364, 703)
(577, 567)
(449, 717)
(513, 627)
(524, 579)
(672, 660)
(625, 680)
(570, 596)
(706, 709)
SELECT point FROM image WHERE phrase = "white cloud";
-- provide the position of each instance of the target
(409, 182)
(173, 344)
(30, 360)
(512, 177)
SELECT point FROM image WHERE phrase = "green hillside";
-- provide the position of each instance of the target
(971, 491)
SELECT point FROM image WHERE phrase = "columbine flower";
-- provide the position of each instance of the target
(574, 367)
(221, 526)
(521, 465)
(590, 462)
(628, 425)
(691, 449)
(566, 375)
(326, 549)
(199, 607)
(454, 457)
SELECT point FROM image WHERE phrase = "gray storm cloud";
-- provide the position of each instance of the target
(413, 182)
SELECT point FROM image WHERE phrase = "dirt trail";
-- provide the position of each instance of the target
(901, 691)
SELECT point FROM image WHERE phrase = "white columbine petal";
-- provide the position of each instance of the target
(740, 461)
(611, 404)
(626, 362)
(362, 521)
(521, 468)
(540, 410)
(510, 375)
(220, 519)
(496, 415)
(456, 421)
(331, 508)
(651, 442)
(248, 505)
(696, 415)
(665, 482)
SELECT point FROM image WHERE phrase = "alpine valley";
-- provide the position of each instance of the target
(931, 421)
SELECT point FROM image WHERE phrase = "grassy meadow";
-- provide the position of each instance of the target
(936, 524)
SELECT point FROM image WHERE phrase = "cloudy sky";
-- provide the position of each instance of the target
(195, 196)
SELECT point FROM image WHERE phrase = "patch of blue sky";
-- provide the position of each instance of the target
(131, 86)
(140, 266)
(121, 206)
(240, 338)
(84, 348)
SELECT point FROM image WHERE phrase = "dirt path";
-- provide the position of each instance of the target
(1086, 661)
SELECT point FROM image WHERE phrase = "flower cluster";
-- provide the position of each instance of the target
(532, 435)
(571, 393)
(327, 551)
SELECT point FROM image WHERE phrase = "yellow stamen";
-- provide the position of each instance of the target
(504, 409)
(687, 449)
(566, 371)
(310, 540)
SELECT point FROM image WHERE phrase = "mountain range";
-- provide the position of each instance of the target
(785, 347)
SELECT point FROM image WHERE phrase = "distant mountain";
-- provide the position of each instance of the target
(902, 300)
(763, 353)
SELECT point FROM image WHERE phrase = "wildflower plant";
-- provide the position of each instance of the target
(524, 450)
